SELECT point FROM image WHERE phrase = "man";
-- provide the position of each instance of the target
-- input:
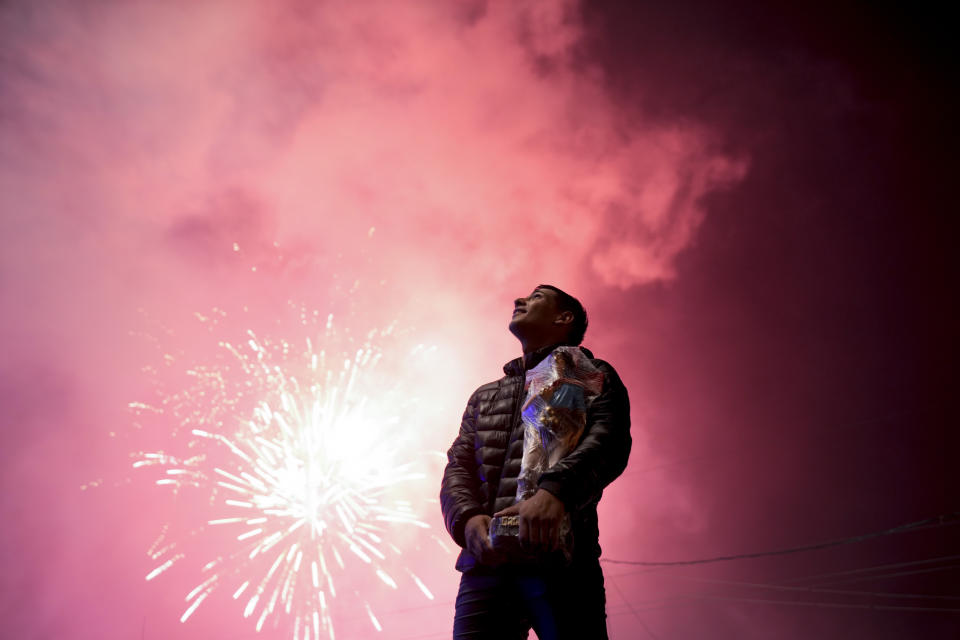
(499, 597)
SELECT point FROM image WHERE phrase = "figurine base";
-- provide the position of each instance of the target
(505, 538)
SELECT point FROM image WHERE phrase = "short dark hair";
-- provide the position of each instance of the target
(566, 302)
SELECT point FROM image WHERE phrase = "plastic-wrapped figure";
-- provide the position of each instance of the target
(554, 415)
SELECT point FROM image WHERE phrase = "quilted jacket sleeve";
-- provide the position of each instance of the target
(579, 478)
(460, 490)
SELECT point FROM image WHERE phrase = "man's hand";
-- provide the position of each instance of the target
(540, 517)
(477, 534)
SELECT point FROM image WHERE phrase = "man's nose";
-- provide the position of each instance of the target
(518, 302)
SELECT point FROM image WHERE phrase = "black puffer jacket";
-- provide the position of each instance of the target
(484, 461)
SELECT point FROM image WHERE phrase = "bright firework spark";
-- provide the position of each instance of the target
(297, 450)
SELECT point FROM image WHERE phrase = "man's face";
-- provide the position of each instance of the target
(535, 313)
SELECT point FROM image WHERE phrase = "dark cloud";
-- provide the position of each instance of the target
(795, 369)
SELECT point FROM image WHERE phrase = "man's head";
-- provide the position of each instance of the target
(548, 316)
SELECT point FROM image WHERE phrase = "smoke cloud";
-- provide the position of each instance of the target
(423, 164)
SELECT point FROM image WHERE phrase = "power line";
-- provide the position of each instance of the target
(831, 605)
(841, 592)
(690, 601)
(626, 607)
(884, 576)
(913, 526)
(636, 615)
(880, 567)
(689, 598)
(916, 526)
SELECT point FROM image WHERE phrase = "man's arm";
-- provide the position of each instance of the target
(459, 490)
(580, 477)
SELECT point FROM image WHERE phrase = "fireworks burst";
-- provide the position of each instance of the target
(297, 453)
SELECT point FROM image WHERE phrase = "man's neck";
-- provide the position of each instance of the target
(532, 357)
(531, 346)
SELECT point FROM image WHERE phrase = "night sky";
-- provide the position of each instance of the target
(753, 202)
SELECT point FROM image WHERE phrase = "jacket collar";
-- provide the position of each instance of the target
(518, 366)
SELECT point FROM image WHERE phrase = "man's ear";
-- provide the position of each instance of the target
(565, 317)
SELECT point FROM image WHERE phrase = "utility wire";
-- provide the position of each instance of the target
(942, 520)
(913, 526)
(830, 605)
(916, 526)
(879, 567)
(884, 576)
(690, 598)
(840, 592)
(626, 607)
(632, 610)
(689, 601)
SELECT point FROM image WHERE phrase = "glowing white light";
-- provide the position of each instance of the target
(249, 534)
(299, 455)
(420, 585)
(386, 578)
(193, 607)
(239, 592)
(166, 565)
(373, 619)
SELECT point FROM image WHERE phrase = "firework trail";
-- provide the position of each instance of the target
(296, 451)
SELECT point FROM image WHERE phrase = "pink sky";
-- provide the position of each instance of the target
(423, 163)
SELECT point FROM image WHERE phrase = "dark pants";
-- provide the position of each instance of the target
(504, 604)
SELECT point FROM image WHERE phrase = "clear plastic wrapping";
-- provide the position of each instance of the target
(558, 392)
(554, 414)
